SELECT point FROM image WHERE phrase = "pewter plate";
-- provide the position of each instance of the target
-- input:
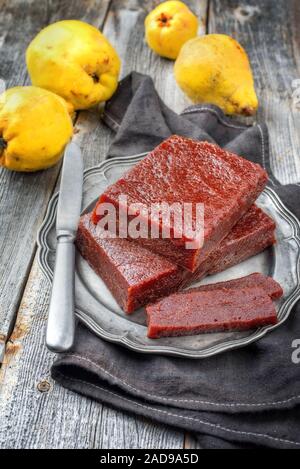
(97, 309)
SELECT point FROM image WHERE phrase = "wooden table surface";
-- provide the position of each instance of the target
(35, 412)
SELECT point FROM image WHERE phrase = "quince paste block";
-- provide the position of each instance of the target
(136, 276)
(237, 305)
(181, 170)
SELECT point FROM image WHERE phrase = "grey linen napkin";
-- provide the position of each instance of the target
(245, 398)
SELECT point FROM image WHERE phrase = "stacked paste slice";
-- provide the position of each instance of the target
(236, 305)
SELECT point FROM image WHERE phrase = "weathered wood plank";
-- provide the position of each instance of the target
(270, 33)
(59, 418)
(24, 197)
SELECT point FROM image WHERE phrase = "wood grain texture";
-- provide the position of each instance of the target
(269, 31)
(24, 197)
(59, 418)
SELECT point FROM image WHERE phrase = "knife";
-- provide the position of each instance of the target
(61, 318)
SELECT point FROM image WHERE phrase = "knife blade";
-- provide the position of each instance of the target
(70, 193)
(61, 318)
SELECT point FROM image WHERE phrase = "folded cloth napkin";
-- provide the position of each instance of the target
(240, 399)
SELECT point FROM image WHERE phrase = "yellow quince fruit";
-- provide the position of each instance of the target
(35, 126)
(215, 69)
(168, 27)
(74, 60)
